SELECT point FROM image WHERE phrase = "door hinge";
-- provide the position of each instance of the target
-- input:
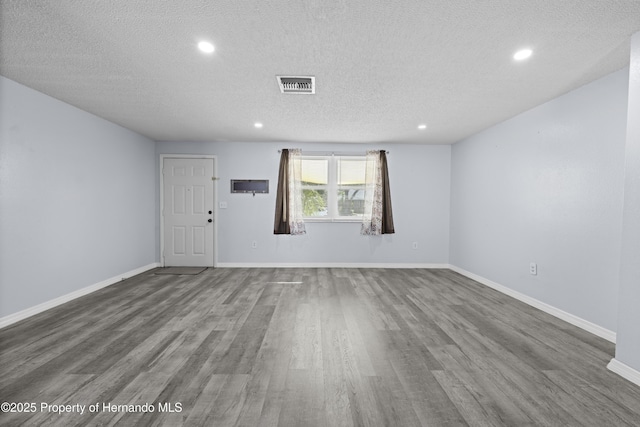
(214, 178)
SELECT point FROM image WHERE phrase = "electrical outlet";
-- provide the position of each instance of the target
(533, 268)
(254, 244)
(414, 245)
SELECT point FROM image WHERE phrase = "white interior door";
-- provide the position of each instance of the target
(188, 212)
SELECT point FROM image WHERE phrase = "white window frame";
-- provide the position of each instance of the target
(331, 188)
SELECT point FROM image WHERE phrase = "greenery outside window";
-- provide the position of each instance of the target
(333, 187)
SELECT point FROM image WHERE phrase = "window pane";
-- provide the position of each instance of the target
(351, 171)
(351, 201)
(315, 172)
(314, 203)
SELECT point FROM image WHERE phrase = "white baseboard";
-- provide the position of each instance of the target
(625, 371)
(563, 315)
(326, 265)
(16, 317)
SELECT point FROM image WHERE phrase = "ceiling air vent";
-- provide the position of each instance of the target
(303, 85)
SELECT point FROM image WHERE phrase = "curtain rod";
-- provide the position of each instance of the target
(334, 153)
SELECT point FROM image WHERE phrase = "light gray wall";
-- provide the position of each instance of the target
(419, 177)
(628, 338)
(546, 187)
(76, 199)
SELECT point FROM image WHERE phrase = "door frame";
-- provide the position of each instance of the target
(215, 198)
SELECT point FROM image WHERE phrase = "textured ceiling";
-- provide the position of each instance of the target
(381, 67)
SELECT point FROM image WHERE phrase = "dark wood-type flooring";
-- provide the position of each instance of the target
(310, 347)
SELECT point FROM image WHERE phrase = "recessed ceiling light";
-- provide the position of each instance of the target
(206, 47)
(421, 127)
(522, 54)
(258, 125)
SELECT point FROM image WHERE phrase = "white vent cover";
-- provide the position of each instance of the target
(302, 85)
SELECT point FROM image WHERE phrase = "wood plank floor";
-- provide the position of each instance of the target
(308, 347)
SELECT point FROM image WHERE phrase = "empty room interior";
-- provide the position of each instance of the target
(320, 213)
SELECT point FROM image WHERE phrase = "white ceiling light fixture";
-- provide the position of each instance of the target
(257, 125)
(422, 127)
(206, 47)
(522, 54)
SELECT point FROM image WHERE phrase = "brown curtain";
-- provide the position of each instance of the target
(387, 212)
(281, 223)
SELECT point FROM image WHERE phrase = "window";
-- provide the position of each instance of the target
(333, 187)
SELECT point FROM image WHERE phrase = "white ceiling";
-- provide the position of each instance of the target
(381, 67)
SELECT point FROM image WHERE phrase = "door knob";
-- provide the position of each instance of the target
(210, 212)
(209, 220)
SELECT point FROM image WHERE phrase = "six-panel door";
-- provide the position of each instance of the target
(188, 212)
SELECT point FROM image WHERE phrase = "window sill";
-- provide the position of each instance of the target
(331, 220)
